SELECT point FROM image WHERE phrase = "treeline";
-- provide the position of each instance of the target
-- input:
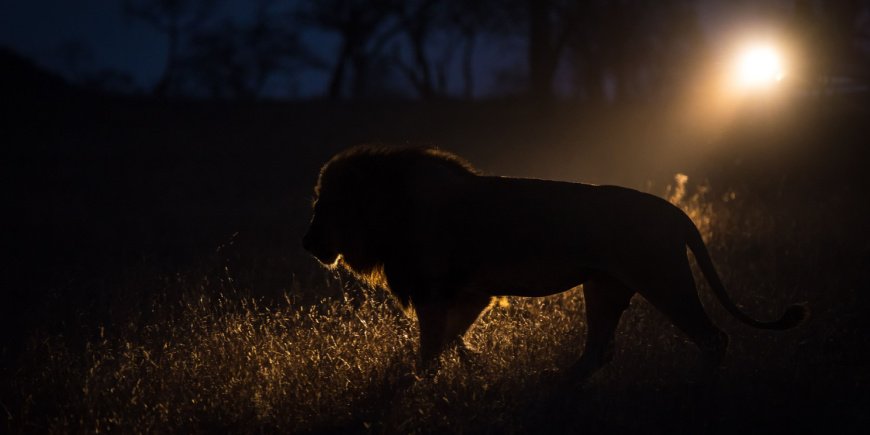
(426, 49)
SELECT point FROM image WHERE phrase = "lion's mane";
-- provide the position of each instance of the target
(379, 186)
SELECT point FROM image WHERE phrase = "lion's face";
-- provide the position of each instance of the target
(322, 240)
(342, 225)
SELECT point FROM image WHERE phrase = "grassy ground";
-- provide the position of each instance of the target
(158, 286)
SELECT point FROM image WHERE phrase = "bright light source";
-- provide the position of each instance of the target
(759, 66)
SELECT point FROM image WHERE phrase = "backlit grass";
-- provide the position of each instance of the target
(223, 362)
(206, 360)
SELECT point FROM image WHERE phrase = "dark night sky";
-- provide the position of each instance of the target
(39, 28)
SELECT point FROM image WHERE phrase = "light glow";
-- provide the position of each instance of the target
(759, 66)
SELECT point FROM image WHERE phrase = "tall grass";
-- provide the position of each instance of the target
(208, 361)
(223, 362)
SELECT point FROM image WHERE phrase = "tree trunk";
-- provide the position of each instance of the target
(468, 66)
(166, 83)
(360, 63)
(336, 80)
(424, 81)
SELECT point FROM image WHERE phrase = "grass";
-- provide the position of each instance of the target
(231, 362)
(250, 338)
(212, 358)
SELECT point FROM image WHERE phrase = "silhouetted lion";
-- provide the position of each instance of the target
(446, 239)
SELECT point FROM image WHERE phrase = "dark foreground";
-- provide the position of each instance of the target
(153, 278)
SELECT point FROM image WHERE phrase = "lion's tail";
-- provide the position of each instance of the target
(794, 315)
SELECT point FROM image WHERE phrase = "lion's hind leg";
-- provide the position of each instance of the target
(606, 300)
(672, 291)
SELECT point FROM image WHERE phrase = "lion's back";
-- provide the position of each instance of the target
(521, 202)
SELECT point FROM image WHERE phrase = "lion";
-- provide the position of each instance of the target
(446, 239)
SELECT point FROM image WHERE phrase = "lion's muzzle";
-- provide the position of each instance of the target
(316, 247)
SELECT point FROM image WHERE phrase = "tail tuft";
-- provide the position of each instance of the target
(792, 317)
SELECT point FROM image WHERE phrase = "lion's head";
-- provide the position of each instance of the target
(362, 199)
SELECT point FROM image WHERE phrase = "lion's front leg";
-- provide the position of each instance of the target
(444, 322)
(432, 319)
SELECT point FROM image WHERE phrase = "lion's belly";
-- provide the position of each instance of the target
(528, 278)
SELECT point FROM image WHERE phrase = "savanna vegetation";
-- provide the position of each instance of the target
(155, 280)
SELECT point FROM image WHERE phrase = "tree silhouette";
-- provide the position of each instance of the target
(637, 45)
(470, 18)
(551, 24)
(236, 60)
(363, 26)
(175, 18)
(418, 19)
(835, 39)
(641, 47)
(76, 57)
(435, 30)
